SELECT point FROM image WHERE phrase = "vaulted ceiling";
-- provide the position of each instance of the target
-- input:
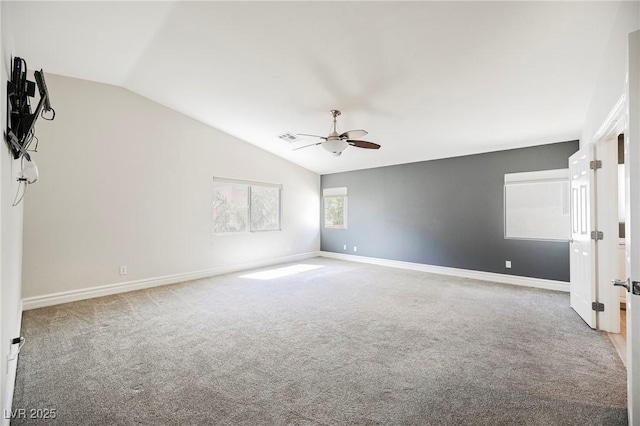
(426, 79)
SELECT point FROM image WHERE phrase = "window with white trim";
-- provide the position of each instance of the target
(537, 205)
(335, 208)
(244, 206)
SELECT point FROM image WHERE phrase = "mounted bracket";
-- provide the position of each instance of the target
(635, 287)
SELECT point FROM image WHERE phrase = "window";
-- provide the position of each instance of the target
(537, 205)
(240, 206)
(265, 208)
(230, 207)
(335, 208)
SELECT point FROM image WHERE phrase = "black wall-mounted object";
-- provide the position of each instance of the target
(20, 119)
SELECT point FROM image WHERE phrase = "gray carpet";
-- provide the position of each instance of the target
(346, 343)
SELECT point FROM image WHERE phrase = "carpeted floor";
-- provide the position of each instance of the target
(345, 343)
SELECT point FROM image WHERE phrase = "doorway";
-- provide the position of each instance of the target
(619, 340)
(609, 259)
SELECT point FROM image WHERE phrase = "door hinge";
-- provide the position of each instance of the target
(597, 235)
(597, 306)
(595, 164)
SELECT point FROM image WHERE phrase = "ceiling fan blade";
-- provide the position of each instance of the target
(354, 134)
(313, 136)
(307, 146)
(364, 144)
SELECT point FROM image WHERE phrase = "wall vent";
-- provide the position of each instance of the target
(290, 137)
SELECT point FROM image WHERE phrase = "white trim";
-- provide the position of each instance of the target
(335, 192)
(540, 176)
(12, 369)
(464, 273)
(246, 182)
(109, 289)
(612, 123)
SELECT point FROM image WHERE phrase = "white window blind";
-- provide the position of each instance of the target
(537, 205)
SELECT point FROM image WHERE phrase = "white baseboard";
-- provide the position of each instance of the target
(464, 273)
(109, 289)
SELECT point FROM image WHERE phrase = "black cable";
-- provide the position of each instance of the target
(28, 139)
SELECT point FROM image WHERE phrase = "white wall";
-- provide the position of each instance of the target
(10, 230)
(611, 80)
(126, 181)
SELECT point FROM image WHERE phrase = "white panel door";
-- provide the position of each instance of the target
(582, 247)
(632, 235)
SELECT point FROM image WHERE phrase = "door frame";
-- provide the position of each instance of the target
(606, 205)
(632, 202)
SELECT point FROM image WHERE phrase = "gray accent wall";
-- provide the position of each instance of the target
(447, 212)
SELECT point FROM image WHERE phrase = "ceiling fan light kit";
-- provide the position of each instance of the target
(336, 143)
(335, 146)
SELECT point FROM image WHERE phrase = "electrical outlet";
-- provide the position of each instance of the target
(344, 247)
(123, 270)
(507, 264)
(355, 248)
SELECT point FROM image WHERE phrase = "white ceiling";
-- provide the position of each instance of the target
(426, 79)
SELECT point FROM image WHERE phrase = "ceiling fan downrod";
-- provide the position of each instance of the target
(335, 113)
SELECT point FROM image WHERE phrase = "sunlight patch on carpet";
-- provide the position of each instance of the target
(281, 272)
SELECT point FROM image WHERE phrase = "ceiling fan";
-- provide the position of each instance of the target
(336, 143)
